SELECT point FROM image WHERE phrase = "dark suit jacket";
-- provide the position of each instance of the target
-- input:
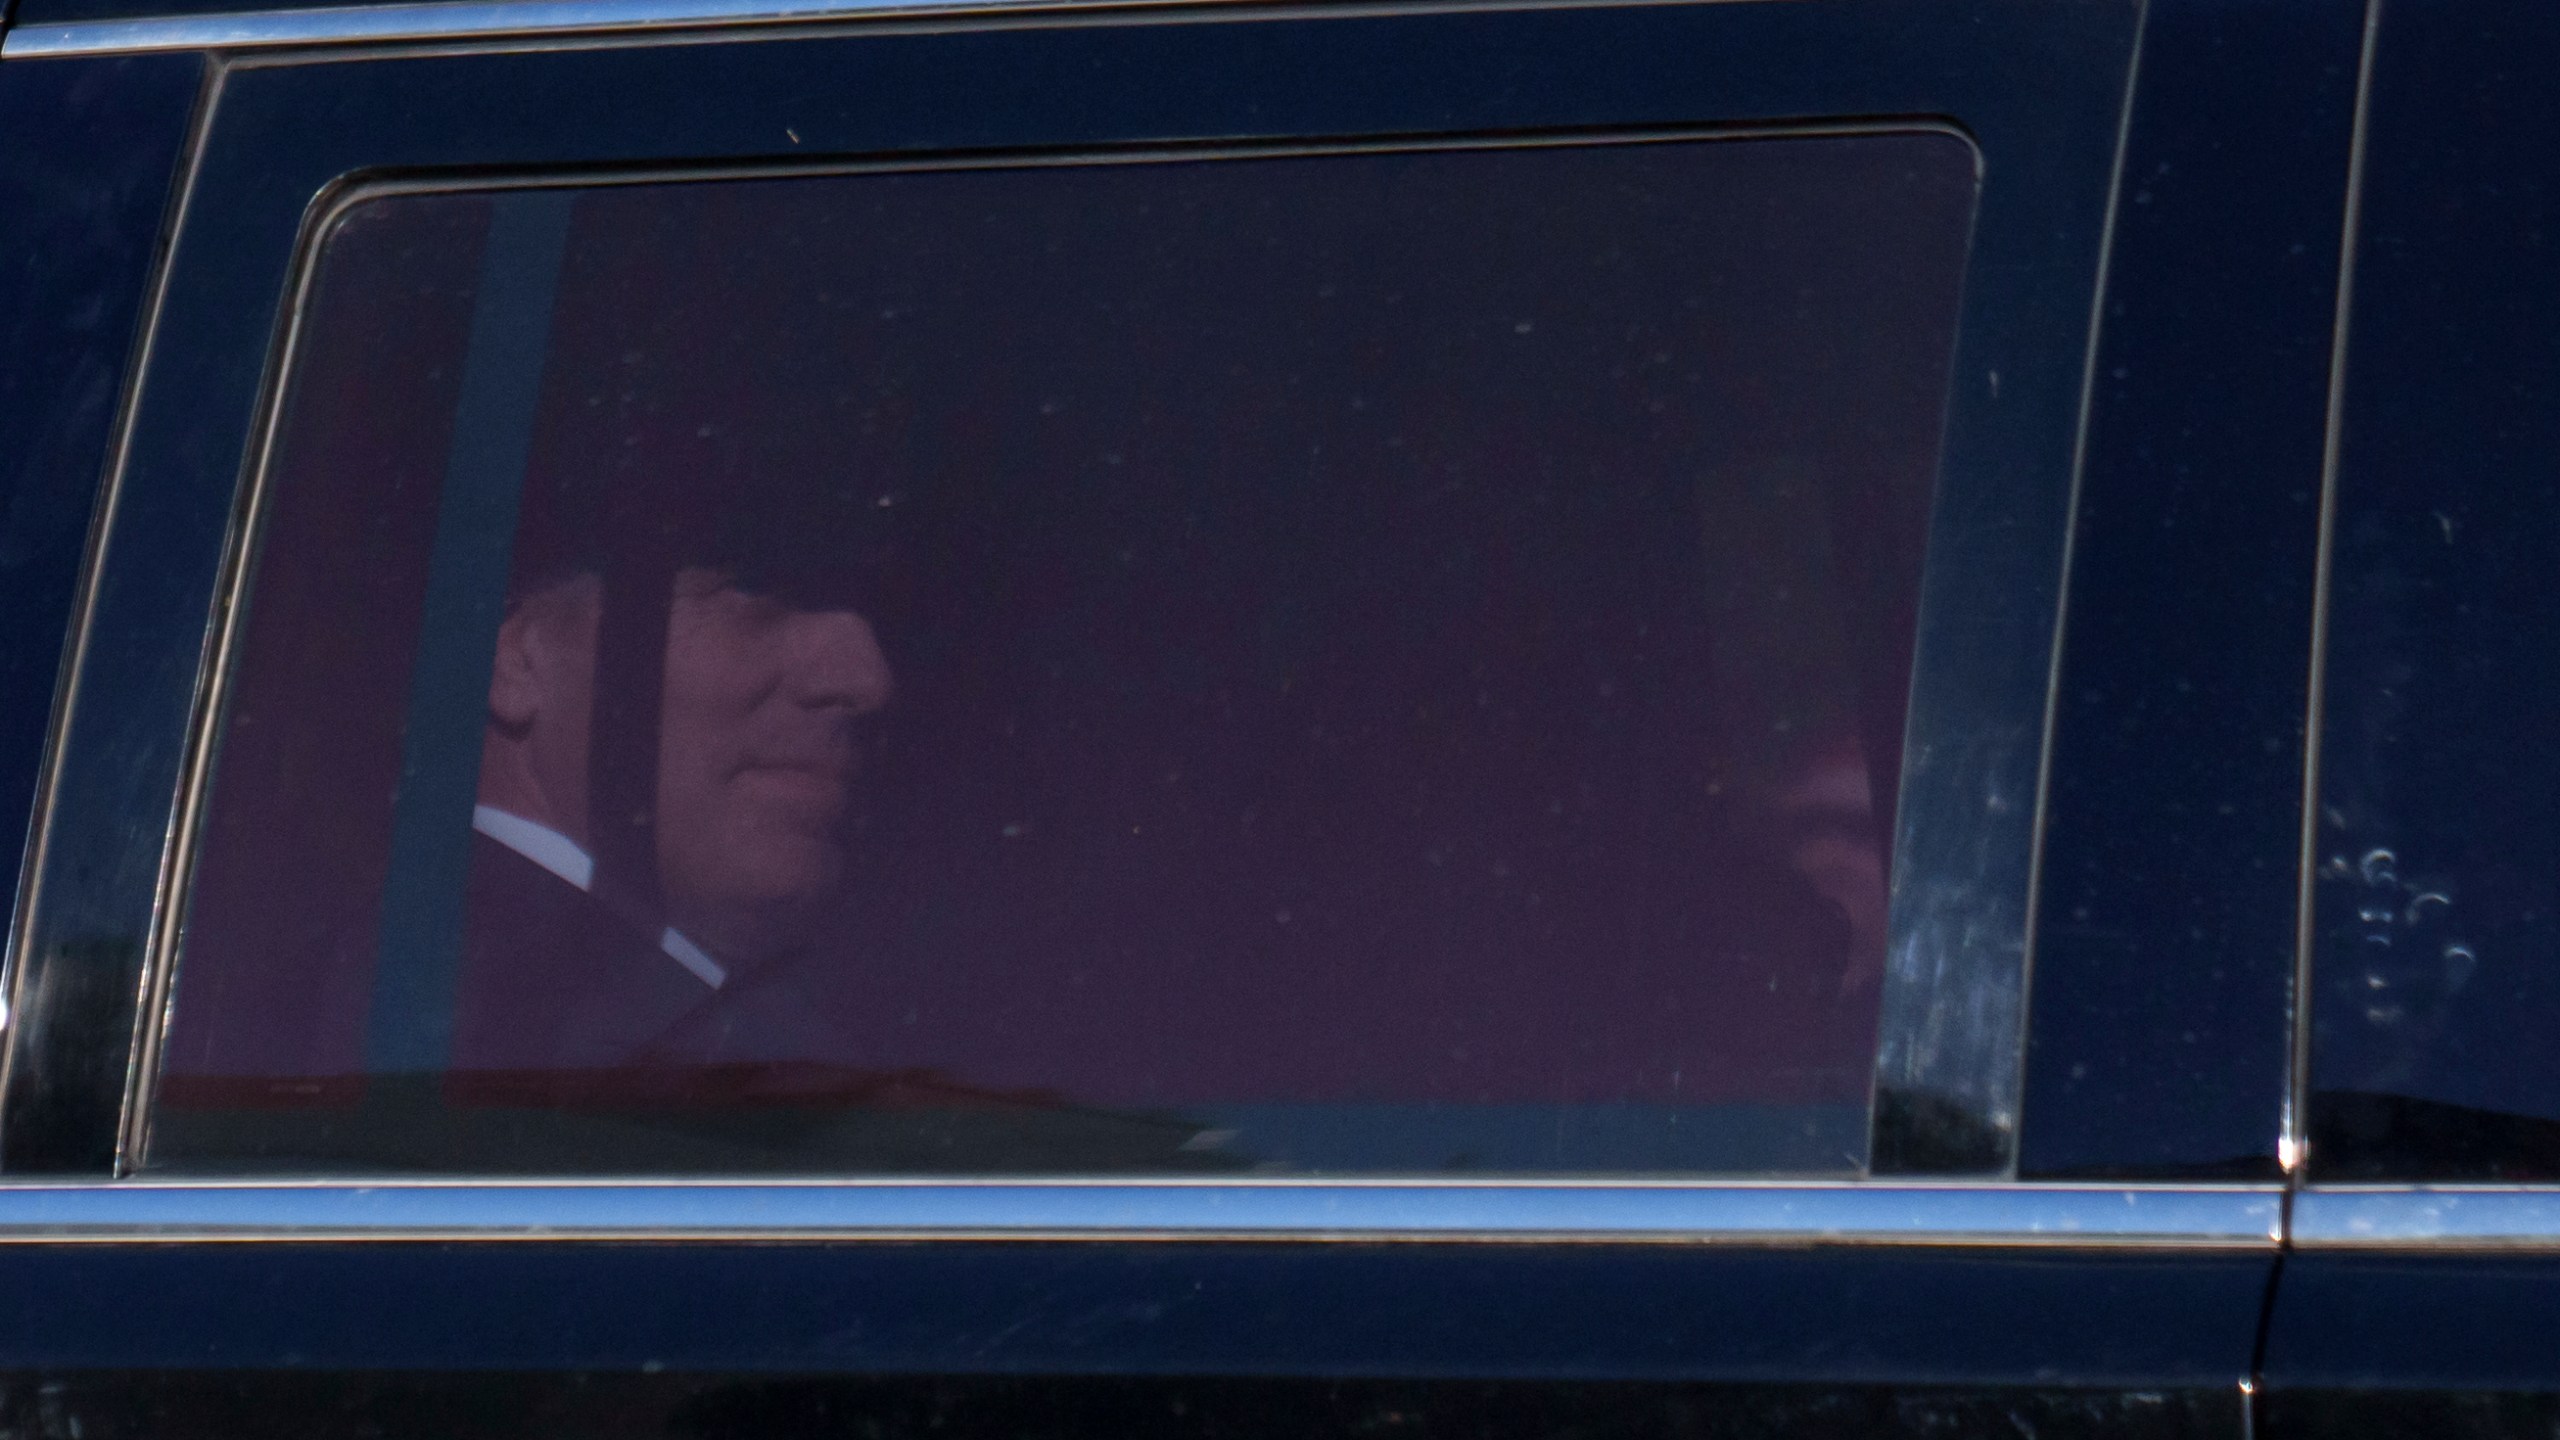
(553, 980)
(580, 1045)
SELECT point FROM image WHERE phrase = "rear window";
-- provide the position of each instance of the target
(1371, 662)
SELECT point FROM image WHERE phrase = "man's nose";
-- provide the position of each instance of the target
(835, 659)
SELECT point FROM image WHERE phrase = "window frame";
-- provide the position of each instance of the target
(145, 666)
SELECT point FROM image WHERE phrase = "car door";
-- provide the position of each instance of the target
(2022, 309)
(2418, 1301)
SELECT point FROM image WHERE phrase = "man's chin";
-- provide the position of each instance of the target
(784, 880)
(770, 860)
(749, 929)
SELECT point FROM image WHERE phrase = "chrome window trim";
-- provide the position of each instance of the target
(2293, 1142)
(445, 22)
(2427, 1217)
(441, 20)
(2236, 1217)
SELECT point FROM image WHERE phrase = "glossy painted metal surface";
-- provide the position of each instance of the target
(1840, 1316)
(2158, 1029)
(2414, 1309)
(2438, 863)
(2447, 1414)
(2232, 1217)
(282, 133)
(2347, 1324)
(85, 169)
(88, 153)
(1947, 1075)
(113, 1406)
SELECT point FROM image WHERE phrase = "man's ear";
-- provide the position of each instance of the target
(515, 680)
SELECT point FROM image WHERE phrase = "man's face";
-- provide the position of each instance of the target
(757, 757)
(757, 751)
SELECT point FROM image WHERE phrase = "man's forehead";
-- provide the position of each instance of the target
(586, 587)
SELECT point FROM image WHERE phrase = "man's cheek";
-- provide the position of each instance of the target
(788, 820)
(787, 865)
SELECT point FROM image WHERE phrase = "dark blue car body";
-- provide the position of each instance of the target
(2264, 252)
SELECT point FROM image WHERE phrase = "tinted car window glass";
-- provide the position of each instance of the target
(2438, 967)
(1366, 662)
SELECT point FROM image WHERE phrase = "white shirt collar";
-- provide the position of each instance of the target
(538, 843)
(567, 859)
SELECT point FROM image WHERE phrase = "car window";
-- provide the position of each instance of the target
(1321, 663)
